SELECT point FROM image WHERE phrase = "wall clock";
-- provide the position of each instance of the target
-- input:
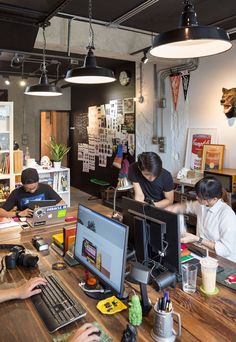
(124, 78)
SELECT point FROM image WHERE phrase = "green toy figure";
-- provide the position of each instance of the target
(135, 311)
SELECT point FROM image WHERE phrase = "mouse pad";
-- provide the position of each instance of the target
(220, 277)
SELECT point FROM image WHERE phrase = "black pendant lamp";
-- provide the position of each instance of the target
(90, 73)
(43, 88)
(190, 40)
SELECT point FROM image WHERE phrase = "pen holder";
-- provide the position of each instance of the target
(163, 326)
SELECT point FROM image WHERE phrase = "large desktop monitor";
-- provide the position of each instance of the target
(154, 233)
(101, 245)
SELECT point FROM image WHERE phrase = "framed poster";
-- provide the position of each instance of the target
(128, 105)
(212, 157)
(197, 137)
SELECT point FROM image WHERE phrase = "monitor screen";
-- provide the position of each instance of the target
(101, 245)
(150, 226)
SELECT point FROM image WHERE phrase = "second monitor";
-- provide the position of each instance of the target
(154, 233)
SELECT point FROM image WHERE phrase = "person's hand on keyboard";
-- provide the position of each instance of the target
(30, 288)
(86, 333)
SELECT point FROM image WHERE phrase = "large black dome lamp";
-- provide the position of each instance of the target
(43, 88)
(90, 73)
(190, 40)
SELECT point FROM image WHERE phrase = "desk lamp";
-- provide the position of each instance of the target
(122, 185)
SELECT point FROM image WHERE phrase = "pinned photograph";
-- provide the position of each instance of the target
(128, 105)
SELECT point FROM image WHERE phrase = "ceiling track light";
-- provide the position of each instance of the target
(7, 81)
(190, 40)
(43, 88)
(90, 73)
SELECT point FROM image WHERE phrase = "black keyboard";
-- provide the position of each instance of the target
(56, 306)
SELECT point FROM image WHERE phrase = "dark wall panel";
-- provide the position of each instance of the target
(83, 96)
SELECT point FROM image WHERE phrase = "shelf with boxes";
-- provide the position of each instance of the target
(6, 150)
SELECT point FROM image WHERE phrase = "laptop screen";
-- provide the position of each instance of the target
(42, 203)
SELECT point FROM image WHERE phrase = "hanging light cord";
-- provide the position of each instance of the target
(43, 65)
(91, 32)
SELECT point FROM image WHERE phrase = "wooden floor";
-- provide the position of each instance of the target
(81, 197)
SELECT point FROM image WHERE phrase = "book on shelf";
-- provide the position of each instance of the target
(69, 237)
(5, 163)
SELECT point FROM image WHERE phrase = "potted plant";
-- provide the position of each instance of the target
(57, 152)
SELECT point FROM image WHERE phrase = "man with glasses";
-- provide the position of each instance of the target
(216, 221)
(152, 183)
(31, 190)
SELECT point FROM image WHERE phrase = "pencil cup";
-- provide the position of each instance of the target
(163, 326)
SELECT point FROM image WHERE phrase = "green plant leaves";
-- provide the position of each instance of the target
(57, 151)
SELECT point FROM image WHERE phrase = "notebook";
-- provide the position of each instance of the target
(48, 215)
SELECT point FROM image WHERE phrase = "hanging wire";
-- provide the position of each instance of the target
(91, 32)
(43, 65)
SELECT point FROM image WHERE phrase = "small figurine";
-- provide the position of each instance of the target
(129, 334)
(135, 311)
(45, 162)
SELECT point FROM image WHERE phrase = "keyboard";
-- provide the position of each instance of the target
(56, 305)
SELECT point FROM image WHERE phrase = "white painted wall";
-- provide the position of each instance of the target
(32, 105)
(202, 109)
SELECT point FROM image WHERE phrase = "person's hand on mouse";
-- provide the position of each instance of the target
(86, 333)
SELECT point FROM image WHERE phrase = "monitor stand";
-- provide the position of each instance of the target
(97, 292)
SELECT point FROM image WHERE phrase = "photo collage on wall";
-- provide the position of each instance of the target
(108, 125)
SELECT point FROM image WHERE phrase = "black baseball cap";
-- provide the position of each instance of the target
(29, 176)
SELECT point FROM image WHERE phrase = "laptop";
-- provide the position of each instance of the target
(48, 215)
(41, 203)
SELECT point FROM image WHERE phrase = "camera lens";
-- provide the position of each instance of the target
(27, 260)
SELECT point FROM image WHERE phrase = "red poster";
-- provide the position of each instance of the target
(175, 81)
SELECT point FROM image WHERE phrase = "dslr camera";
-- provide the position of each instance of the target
(18, 257)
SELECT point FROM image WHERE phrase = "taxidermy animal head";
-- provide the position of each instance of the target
(228, 100)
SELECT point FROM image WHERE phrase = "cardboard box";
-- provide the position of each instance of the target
(18, 161)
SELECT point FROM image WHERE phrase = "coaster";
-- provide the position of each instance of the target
(210, 294)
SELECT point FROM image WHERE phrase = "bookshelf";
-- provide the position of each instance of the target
(7, 179)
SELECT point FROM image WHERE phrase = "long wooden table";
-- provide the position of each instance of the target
(204, 318)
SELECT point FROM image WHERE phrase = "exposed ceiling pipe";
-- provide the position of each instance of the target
(133, 12)
(159, 92)
(106, 23)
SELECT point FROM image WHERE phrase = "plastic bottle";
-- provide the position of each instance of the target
(27, 154)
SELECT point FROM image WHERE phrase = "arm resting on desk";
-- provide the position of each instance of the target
(24, 291)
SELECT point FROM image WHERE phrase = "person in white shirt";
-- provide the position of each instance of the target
(216, 221)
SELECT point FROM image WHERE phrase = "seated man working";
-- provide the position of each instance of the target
(31, 190)
(151, 181)
(216, 221)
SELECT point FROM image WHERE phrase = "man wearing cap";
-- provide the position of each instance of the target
(31, 190)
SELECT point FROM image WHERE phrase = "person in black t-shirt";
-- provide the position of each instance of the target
(152, 183)
(31, 190)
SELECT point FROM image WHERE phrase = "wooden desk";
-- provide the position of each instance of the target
(204, 318)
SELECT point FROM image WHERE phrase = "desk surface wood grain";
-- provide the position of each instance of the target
(204, 318)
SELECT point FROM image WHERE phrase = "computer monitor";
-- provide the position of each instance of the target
(101, 245)
(152, 231)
